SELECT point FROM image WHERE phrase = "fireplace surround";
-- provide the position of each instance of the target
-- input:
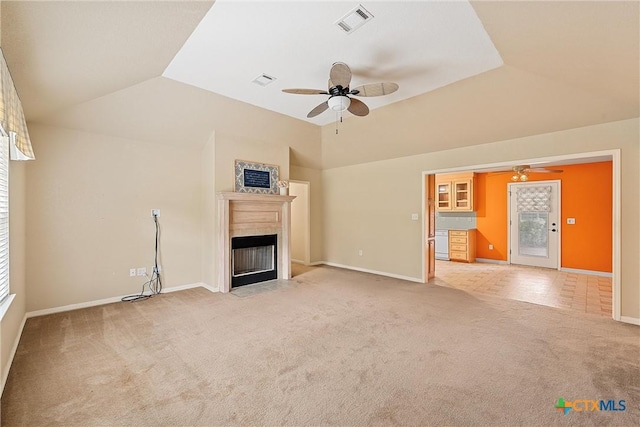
(248, 214)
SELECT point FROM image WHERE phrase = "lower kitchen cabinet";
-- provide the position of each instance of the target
(462, 245)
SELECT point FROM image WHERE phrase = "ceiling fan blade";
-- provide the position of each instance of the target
(358, 108)
(375, 89)
(306, 91)
(340, 74)
(319, 109)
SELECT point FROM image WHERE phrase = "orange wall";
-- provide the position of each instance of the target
(586, 196)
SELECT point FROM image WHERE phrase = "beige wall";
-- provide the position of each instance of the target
(316, 195)
(89, 200)
(229, 148)
(208, 206)
(369, 206)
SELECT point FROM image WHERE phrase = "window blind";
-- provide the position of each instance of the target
(4, 218)
(533, 199)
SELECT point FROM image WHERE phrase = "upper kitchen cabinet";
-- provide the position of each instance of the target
(455, 192)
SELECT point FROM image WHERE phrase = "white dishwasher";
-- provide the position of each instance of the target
(442, 244)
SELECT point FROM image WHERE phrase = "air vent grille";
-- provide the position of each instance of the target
(355, 19)
(263, 79)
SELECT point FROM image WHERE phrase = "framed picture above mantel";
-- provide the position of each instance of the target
(258, 178)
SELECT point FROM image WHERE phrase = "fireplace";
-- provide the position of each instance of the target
(249, 215)
(254, 259)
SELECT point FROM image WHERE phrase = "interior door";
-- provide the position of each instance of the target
(534, 217)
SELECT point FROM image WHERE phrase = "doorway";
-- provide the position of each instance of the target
(300, 222)
(534, 224)
(576, 158)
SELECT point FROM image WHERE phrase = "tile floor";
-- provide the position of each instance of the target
(553, 288)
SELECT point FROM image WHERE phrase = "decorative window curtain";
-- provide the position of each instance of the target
(12, 117)
(533, 199)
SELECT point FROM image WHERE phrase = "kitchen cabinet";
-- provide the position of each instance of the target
(462, 245)
(455, 192)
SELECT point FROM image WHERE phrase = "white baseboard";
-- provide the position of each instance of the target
(317, 263)
(632, 320)
(589, 272)
(379, 273)
(189, 286)
(110, 300)
(297, 261)
(492, 261)
(14, 349)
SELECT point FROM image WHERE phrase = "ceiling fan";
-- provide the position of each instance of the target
(339, 91)
(521, 172)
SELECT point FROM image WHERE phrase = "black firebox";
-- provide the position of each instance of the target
(253, 259)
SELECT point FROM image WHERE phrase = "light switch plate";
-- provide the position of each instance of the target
(415, 217)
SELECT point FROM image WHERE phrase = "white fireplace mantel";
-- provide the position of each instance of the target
(248, 214)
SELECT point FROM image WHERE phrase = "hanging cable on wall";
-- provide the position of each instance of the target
(154, 284)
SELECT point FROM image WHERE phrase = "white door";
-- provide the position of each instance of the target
(534, 217)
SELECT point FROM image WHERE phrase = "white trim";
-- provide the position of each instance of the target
(314, 263)
(423, 237)
(631, 320)
(492, 261)
(14, 349)
(616, 302)
(4, 306)
(379, 273)
(188, 286)
(589, 272)
(558, 196)
(297, 261)
(111, 300)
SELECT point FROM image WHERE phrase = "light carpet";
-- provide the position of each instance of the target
(331, 347)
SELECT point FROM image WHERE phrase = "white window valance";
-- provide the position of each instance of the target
(12, 121)
(533, 199)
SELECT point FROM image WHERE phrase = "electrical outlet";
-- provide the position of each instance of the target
(155, 212)
(490, 247)
(158, 270)
(132, 272)
(360, 252)
(415, 217)
(571, 221)
(142, 271)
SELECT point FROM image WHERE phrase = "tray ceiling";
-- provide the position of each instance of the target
(420, 45)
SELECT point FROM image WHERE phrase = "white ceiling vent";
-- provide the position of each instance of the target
(354, 19)
(263, 80)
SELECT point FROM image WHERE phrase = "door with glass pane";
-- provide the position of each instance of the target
(534, 230)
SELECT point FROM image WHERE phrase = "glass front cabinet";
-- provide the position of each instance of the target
(455, 192)
(443, 190)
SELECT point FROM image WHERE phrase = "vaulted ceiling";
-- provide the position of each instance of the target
(98, 66)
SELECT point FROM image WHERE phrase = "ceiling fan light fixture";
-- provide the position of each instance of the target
(339, 103)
